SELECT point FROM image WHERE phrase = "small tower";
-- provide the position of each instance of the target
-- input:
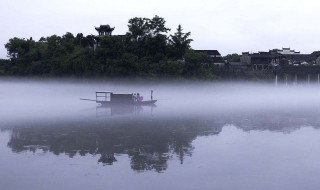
(104, 30)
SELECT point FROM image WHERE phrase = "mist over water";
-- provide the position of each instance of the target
(32, 100)
(199, 135)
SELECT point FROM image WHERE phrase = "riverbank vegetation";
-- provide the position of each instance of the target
(146, 50)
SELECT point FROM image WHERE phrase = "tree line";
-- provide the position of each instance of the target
(145, 50)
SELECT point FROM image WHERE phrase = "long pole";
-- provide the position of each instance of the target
(286, 80)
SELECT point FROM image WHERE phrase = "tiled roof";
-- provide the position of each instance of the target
(209, 52)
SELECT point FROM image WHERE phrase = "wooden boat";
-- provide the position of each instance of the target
(110, 98)
(106, 103)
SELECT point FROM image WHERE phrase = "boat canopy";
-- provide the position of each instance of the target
(111, 97)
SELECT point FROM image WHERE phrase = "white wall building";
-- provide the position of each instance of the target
(288, 51)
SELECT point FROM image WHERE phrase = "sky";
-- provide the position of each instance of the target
(229, 26)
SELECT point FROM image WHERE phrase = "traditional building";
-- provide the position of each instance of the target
(104, 30)
(245, 58)
(288, 51)
(261, 60)
(278, 58)
(318, 61)
(316, 54)
(300, 59)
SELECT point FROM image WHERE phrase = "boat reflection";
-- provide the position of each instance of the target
(122, 110)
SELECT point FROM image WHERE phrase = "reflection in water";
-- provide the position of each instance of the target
(149, 141)
(206, 136)
(149, 144)
(121, 110)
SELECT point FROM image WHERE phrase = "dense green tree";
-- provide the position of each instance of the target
(157, 26)
(145, 50)
(170, 68)
(54, 46)
(138, 28)
(4, 64)
(18, 47)
(232, 57)
(198, 65)
(67, 42)
(180, 42)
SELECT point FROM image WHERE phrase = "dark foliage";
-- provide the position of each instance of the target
(145, 50)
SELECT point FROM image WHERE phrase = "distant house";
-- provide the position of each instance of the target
(318, 61)
(288, 51)
(295, 58)
(261, 60)
(264, 60)
(245, 58)
(215, 56)
(300, 59)
(316, 54)
(278, 58)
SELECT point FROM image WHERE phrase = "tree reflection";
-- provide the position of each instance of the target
(107, 159)
(149, 144)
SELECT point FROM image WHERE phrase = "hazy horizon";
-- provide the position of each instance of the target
(27, 100)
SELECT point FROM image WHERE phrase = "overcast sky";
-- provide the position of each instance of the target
(230, 26)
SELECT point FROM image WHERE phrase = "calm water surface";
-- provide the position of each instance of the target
(198, 136)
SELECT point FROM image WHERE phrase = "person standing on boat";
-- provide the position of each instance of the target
(138, 97)
(134, 97)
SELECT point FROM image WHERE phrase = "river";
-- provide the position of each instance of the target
(199, 135)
